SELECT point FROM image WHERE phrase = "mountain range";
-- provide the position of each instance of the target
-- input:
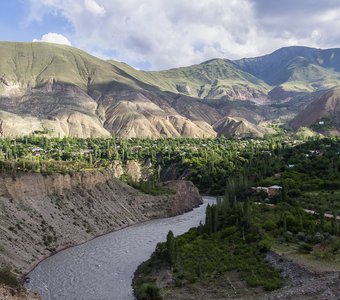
(58, 90)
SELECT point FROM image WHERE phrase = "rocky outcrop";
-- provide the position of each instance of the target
(186, 196)
(237, 93)
(183, 88)
(41, 214)
(134, 170)
(239, 127)
(140, 117)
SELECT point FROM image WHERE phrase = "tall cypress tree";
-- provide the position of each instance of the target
(171, 247)
(208, 220)
(214, 218)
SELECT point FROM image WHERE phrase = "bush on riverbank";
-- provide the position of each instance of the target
(150, 187)
(148, 291)
(9, 279)
(205, 258)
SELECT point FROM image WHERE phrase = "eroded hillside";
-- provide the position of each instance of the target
(58, 90)
(44, 213)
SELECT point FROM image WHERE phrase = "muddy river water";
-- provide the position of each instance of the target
(102, 269)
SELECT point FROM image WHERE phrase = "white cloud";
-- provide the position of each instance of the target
(164, 34)
(94, 8)
(55, 38)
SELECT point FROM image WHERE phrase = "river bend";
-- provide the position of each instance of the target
(102, 269)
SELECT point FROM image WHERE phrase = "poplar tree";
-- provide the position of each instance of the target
(208, 219)
(171, 247)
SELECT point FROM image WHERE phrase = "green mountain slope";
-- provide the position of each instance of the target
(296, 68)
(212, 79)
(35, 64)
(63, 91)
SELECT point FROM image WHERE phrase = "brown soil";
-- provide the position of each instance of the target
(7, 293)
(43, 214)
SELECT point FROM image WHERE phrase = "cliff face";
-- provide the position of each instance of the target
(41, 214)
(186, 197)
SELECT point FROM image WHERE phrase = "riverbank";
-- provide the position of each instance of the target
(42, 214)
(103, 267)
(299, 282)
(8, 293)
(303, 282)
(229, 257)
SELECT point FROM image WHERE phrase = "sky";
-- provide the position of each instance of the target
(162, 34)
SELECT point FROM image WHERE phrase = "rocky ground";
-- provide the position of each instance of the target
(7, 293)
(303, 283)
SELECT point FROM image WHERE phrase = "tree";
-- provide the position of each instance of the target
(214, 218)
(322, 219)
(208, 220)
(171, 248)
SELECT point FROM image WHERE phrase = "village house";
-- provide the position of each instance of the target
(274, 190)
(37, 151)
(271, 191)
(259, 189)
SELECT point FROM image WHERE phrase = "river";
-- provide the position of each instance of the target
(102, 269)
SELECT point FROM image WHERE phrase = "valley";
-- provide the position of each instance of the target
(92, 147)
(58, 192)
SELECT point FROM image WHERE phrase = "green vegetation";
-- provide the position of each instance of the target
(37, 63)
(151, 187)
(323, 125)
(231, 240)
(300, 167)
(149, 291)
(245, 224)
(214, 75)
(207, 161)
(298, 69)
(171, 247)
(84, 69)
(9, 279)
(204, 258)
(310, 174)
(242, 226)
(305, 133)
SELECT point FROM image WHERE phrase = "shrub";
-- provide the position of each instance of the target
(288, 236)
(318, 238)
(269, 225)
(294, 193)
(264, 245)
(309, 187)
(301, 236)
(305, 248)
(149, 291)
(8, 278)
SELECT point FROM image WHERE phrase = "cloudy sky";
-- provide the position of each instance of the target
(159, 34)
